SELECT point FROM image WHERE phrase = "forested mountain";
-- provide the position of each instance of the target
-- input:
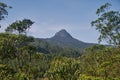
(64, 39)
(53, 49)
(24, 57)
(62, 43)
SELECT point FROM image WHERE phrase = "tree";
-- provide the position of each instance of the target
(31, 50)
(108, 24)
(6, 72)
(20, 26)
(63, 68)
(3, 10)
(7, 46)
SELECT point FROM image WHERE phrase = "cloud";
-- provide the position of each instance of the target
(48, 29)
(44, 29)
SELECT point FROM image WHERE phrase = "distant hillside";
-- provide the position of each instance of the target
(62, 43)
(64, 39)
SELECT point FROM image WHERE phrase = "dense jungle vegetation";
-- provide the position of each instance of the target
(22, 59)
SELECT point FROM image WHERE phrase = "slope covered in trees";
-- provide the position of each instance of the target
(64, 39)
(25, 58)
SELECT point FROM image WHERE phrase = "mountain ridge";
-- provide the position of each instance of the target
(63, 39)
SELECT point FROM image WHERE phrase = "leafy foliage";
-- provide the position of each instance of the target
(21, 57)
(3, 10)
(108, 24)
(20, 26)
(103, 63)
(62, 68)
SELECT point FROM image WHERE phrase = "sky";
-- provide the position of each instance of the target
(50, 16)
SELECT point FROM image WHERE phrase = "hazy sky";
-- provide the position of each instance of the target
(50, 16)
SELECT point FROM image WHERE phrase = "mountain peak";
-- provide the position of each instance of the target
(62, 33)
(64, 39)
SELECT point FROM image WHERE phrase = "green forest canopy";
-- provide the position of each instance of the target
(20, 59)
